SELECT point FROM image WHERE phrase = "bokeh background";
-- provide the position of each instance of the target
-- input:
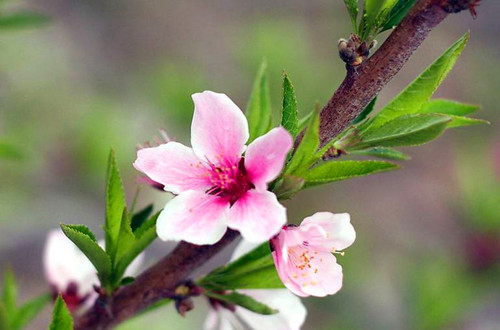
(110, 73)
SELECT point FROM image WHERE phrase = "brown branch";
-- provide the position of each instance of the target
(364, 82)
(359, 87)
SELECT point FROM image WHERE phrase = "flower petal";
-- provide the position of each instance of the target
(291, 315)
(194, 217)
(175, 166)
(337, 232)
(219, 129)
(266, 155)
(257, 215)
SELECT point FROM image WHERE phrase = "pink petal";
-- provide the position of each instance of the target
(266, 155)
(173, 165)
(257, 215)
(219, 129)
(323, 278)
(194, 217)
(329, 230)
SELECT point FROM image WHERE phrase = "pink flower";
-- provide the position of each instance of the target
(70, 273)
(304, 257)
(217, 187)
(291, 312)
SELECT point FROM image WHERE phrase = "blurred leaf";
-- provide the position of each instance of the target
(259, 106)
(304, 155)
(369, 108)
(10, 151)
(61, 317)
(331, 171)
(352, 9)
(4, 322)
(289, 119)
(21, 20)
(28, 311)
(9, 295)
(375, 13)
(243, 301)
(79, 235)
(254, 270)
(397, 13)
(288, 186)
(408, 130)
(421, 89)
(115, 206)
(140, 217)
(381, 152)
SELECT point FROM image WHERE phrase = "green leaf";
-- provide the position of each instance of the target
(91, 249)
(28, 311)
(143, 237)
(381, 152)
(254, 270)
(304, 156)
(409, 130)
(22, 20)
(9, 296)
(259, 106)
(353, 10)
(61, 317)
(340, 170)
(289, 119)
(421, 89)
(288, 186)
(397, 13)
(375, 14)
(127, 280)
(458, 121)
(4, 321)
(243, 301)
(448, 107)
(140, 217)
(115, 206)
(369, 108)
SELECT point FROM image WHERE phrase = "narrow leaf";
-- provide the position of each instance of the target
(459, 121)
(352, 9)
(4, 321)
(115, 206)
(140, 217)
(381, 152)
(259, 106)
(61, 317)
(91, 249)
(304, 155)
(28, 311)
(421, 89)
(397, 13)
(448, 107)
(409, 130)
(340, 170)
(9, 292)
(289, 119)
(243, 301)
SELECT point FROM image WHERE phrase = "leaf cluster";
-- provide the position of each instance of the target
(13, 316)
(126, 234)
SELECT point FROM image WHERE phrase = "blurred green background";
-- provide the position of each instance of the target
(110, 73)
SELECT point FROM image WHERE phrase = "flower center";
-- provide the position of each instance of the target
(229, 181)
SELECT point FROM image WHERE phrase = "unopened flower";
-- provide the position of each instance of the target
(304, 255)
(70, 273)
(291, 312)
(216, 186)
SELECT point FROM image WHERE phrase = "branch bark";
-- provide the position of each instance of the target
(359, 87)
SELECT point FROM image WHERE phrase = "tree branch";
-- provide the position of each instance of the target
(359, 87)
